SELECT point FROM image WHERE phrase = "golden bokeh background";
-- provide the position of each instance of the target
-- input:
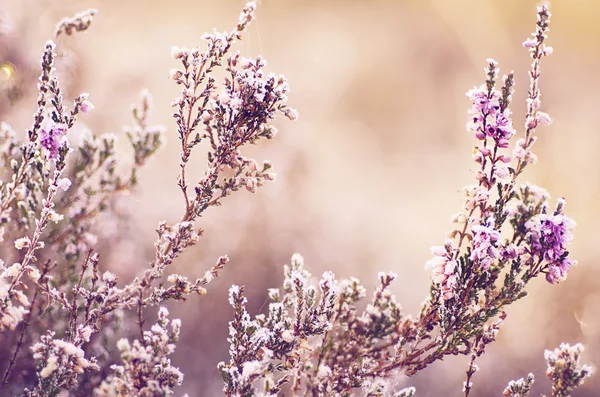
(371, 173)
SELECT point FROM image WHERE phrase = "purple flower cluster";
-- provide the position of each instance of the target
(485, 240)
(445, 269)
(488, 118)
(490, 122)
(549, 236)
(51, 138)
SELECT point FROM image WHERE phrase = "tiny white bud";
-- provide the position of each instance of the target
(287, 336)
(175, 74)
(22, 242)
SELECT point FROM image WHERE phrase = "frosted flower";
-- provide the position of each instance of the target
(175, 74)
(549, 236)
(86, 333)
(123, 345)
(86, 106)
(13, 270)
(51, 137)
(476, 195)
(287, 336)
(291, 114)
(543, 119)
(565, 369)
(251, 184)
(22, 242)
(55, 217)
(445, 269)
(485, 240)
(34, 273)
(64, 184)
(51, 366)
(224, 98)
(529, 43)
(501, 170)
(236, 103)
(108, 277)
(177, 52)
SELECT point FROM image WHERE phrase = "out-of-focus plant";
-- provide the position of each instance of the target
(59, 311)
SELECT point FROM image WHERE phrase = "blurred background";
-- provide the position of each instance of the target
(371, 173)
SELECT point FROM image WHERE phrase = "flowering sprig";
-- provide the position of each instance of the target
(482, 249)
(519, 388)
(313, 336)
(565, 370)
(229, 115)
(60, 363)
(483, 268)
(35, 175)
(78, 23)
(81, 182)
(146, 369)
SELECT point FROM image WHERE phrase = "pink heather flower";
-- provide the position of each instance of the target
(482, 103)
(504, 158)
(87, 106)
(508, 252)
(291, 114)
(177, 52)
(206, 117)
(486, 118)
(64, 184)
(558, 272)
(543, 119)
(485, 239)
(476, 195)
(501, 170)
(523, 154)
(503, 129)
(224, 98)
(251, 185)
(550, 234)
(51, 137)
(445, 269)
(529, 43)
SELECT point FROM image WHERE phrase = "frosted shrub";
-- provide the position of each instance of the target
(319, 337)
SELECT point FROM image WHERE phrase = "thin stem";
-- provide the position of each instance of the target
(25, 325)
(470, 371)
(73, 320)
(140, 313)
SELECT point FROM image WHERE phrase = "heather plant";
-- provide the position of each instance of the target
(61, 314)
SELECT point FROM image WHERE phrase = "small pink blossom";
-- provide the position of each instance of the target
(529, 43)
(51, 137)
(543, 119)
(445, 269)
(485, 250)
(87, 106)
(64, 184)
